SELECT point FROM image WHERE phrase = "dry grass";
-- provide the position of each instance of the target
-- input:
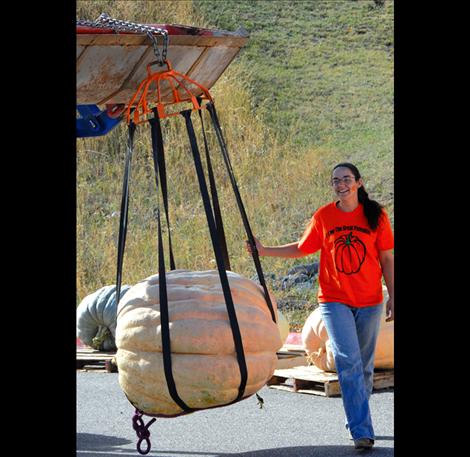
(282, 180)
(268, 174)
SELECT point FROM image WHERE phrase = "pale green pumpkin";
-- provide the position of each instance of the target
(96, 318)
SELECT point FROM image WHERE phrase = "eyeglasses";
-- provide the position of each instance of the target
(346, 180)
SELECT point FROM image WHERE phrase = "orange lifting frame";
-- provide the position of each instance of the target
(176, 80)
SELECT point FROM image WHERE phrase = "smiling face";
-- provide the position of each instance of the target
(345, 185)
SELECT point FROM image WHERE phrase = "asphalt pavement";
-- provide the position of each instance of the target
(289, 425)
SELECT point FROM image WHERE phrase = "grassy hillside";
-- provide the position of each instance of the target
(321, 75)
(314, 86)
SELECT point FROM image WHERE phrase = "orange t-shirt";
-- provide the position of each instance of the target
(350, 270)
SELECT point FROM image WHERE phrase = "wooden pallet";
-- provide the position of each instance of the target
(291, 356)
(312, 380)
(298, 348)
(91, 359)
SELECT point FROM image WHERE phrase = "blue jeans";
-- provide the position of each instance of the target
(353, 336)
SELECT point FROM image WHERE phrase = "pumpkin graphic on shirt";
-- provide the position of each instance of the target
(350, 253)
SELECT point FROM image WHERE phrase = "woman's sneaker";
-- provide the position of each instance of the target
(363, 443)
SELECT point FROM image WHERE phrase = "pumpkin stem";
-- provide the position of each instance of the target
(348, 239)
(260, 401)
(101, 335)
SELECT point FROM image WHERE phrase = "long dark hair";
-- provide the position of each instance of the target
(372, 209)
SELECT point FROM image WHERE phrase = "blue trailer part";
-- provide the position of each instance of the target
(96, 122)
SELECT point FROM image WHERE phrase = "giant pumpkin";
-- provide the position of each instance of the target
(317, 345)
(204, 362)
(282, 325)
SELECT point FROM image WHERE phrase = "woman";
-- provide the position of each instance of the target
(355, 240)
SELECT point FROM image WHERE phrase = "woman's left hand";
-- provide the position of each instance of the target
(390, 311)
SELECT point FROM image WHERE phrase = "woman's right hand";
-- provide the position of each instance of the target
(259, 246)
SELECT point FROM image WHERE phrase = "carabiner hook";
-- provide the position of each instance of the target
(143, 433)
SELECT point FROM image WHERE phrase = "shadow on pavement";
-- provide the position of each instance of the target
(384, 438)
(91, 442)
(314, 451)
(88, 443)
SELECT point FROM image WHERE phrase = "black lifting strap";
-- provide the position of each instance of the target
(124, 210)
(215, 199)
(219, 258)
(157, 149)
(249, 233)
(157, 139)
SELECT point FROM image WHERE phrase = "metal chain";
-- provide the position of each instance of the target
(125, 26)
